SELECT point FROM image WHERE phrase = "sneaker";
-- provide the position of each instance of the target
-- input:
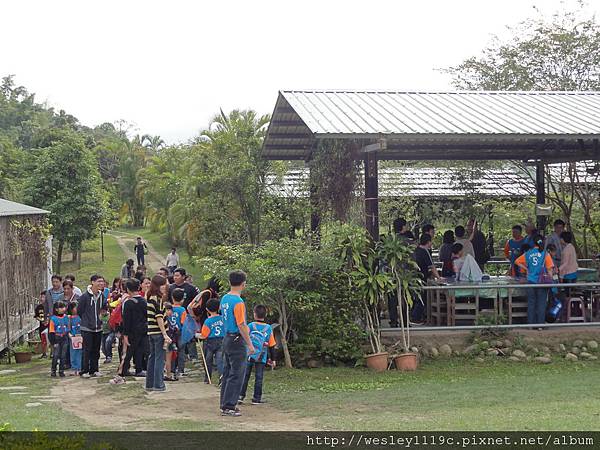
(258, 402)
(241, 401)
(206, 381)
(53, 374)
(141, 373)
(43, 356)
(74, 373)
(108, 360)
(85, 375)
(98, 374)
(231, 412)
(127, 374)
(61, 374)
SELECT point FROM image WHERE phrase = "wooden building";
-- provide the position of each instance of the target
(23, 268)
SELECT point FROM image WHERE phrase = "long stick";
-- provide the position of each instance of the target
(205, 365)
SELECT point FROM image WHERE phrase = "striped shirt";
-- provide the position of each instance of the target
(155, 310)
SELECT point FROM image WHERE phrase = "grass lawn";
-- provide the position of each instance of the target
(444, 395)
(47, 416)
(91, 261)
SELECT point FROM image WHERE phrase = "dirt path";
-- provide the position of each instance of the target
(188, 404)
(126, 241)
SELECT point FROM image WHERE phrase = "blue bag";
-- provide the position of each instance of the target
(189, 329)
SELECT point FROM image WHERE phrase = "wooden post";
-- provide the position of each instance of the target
(315, 213)
(540, 194)
(371, 195)
(102, 242)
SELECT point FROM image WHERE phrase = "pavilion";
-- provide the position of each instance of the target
(535, 127)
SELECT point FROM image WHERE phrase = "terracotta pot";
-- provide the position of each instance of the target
(406, 362)
(377, 362)
(22, 357)
(36, 346)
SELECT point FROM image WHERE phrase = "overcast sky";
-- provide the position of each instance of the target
(168, 66)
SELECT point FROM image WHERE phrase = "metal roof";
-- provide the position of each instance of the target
(8, 208)
(397, 182)
(440, 125)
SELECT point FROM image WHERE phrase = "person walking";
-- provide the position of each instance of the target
(157, 334)
(236, 344)
(140, 249)
(172, 261)
(89, 308)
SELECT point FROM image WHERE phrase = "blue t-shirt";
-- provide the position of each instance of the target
(215, 326)
(75, 324)
(232, 308)
(59, 325)
(178, 316)
(535, 264)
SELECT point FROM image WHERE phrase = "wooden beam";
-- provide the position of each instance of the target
(371, 195)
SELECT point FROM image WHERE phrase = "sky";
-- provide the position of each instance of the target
(169, 66)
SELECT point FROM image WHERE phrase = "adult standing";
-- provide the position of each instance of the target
(53, 295)
(157, 334)
(198, 306)
(401, 229)
(140, 248)
(512, 248)
(236, 344)
(428, 270)
(89, 307)
(446, 254)
(463, 240)
(135, 328)
(172, 261)
(127, 269)
(568, 267)
(555, 239)
(71, 277)
(479, 243)
(535, 261)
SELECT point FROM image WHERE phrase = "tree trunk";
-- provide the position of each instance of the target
(74, 256)
(78, 259)
(59, 253)
(284, 331)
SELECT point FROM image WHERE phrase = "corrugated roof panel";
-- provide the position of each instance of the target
(8, 208)
(363, 112)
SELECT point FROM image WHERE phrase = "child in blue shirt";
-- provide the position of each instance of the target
(58, 334)
(212, 332)
(75, 348)
(263, 341)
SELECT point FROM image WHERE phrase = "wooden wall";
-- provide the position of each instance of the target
(22, 277)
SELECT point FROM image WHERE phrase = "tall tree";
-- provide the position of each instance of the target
(562, 54)
(65, 181)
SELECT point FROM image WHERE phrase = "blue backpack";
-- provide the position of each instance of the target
(259, 340)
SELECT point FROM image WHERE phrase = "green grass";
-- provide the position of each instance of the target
(91, 261)
(444, 395)
(48, 416)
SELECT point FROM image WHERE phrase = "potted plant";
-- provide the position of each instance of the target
(371, 283)
(22, 352)
(406, 280)
(35, 345)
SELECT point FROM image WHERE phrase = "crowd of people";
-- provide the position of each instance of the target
(155, 322)
(533, 258)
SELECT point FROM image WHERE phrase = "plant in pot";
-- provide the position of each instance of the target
(370, 282)
(22, 352)
(398, 261)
